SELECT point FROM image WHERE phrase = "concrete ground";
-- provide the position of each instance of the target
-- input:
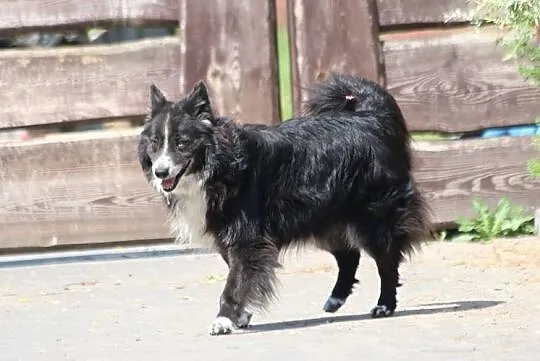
(458, 302)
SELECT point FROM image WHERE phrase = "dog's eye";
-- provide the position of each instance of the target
(154, 142)
(182, 144)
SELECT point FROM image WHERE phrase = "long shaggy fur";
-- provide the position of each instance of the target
(339, 177)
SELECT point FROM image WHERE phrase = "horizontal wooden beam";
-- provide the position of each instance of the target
(79, 191)
(46, 86)
(91, 190)
(456, 81)
(452, 173)
(406, 12)
(25, 15)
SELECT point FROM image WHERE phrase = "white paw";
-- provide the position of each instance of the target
(243, 320)
(381, 311)
(221, 326)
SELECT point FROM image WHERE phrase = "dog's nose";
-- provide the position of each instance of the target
(162, 172)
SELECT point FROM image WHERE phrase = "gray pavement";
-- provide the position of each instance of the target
(458, 302)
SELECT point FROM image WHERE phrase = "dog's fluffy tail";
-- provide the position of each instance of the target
(346, 93)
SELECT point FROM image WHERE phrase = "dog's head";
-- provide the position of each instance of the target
(175, 137)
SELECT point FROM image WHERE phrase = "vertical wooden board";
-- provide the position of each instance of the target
(332, 36)
(405, 12)
(232, 46)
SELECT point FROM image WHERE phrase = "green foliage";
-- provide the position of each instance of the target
(506, 220)
(442, 235)
(534, 167)
(520, 20)
(534, 164)
(416, 135)
(284, 68)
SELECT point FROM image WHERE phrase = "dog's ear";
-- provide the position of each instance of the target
(157, 100)
(198, 103)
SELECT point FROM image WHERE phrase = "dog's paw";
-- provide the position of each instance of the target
(244, 319)
(221, 326)
(381, 311)
(333, 304)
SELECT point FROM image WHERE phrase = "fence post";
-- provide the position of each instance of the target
(333, 36)
(231, 45)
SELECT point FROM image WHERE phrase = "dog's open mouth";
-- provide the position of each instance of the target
(169, 184)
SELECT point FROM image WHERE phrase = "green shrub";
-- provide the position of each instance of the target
(506, 220)
(534, 164)
(520, 20)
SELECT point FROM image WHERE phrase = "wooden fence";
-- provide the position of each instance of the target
(87, 188)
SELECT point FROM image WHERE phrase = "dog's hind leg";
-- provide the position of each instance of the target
(388, 262)
(347, 260)
(250, 282)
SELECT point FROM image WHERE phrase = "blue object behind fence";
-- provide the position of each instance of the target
(515, 131)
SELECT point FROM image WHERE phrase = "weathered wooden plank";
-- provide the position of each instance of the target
(232, 46)
(405, 12)
(456, 81)
(88, 82)
(83, 191)
(332, 36)
(452, 173)
(91, 190)
(47, 15)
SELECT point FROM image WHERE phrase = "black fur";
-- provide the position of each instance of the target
(338, 176)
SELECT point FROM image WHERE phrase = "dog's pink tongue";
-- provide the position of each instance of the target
(167, 183)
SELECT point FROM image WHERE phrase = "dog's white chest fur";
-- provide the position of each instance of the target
(188, 217)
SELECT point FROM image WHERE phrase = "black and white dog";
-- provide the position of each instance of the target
(338, 177)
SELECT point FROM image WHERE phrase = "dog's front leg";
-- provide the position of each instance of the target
(250, 283)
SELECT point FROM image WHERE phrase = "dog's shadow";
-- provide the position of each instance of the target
(426, 309)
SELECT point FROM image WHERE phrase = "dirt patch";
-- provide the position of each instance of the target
(523, 252)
